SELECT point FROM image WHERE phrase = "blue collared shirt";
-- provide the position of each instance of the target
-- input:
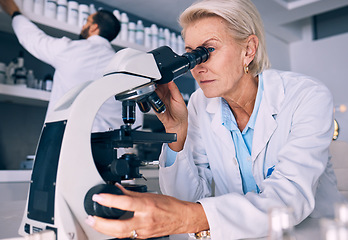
(243, 140)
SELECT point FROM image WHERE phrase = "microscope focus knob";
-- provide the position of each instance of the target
(95, 209)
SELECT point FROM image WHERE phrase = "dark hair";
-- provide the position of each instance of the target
(109, 26)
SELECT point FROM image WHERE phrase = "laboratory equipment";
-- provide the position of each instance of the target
(124, 27)
(16, 72)
(50, 8)
(39, 6)
(139, 33)
(2, 72)
(281, 224)
(73, 13)
(62, 10)
(69, 161)
(83, 14)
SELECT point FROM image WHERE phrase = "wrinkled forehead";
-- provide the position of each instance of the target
(202, 20)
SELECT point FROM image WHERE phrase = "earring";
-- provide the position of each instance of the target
(246, 69)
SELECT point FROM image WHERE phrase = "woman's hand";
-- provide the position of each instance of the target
(175, 118)
(154, 215)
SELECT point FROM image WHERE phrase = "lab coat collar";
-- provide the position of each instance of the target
(99, 40)
(271, 102)
(214, 107)
(273, 90)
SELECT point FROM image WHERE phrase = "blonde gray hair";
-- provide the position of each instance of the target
(243, 20)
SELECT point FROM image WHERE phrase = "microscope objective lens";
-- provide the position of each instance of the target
(128, 111)
(156, 103)
(144, 105)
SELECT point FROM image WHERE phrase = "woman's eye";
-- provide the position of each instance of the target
(211, 49)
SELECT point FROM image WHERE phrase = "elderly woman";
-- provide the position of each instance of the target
(261, 136)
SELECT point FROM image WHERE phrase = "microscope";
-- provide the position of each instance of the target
(71, 164)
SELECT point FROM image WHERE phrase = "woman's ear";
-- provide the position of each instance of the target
(252, 44)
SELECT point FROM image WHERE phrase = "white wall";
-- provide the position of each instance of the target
(278, 52)
(327, 60)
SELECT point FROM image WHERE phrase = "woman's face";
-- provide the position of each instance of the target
(221, 75)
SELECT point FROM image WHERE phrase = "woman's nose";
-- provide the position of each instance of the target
(201, 68)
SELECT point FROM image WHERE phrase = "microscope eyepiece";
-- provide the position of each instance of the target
(197, 56)
(172, 66)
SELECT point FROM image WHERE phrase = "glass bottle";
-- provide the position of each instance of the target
(31, 83)
(48, 83)
(83, 14)
(281, 224)
(2, 72)
(341, 213)
(331, 229)
(38, 7)
(20, 73)
(173, 42)
(131, 32)
(167, 36)
(124, 27)
(73, 13)
(154, 36)
(161, 38)
(92, 9)
(147, 37)
(50, 8)
(139, 34)
(62, 10)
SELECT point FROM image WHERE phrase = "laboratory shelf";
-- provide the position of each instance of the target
(23, 95)
(59, 29)
(53, 27)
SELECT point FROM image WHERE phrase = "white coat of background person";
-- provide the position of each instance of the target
(74, 61)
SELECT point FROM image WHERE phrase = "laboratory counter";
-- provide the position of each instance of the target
(14, 187)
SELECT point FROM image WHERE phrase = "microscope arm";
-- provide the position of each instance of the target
(64, 169)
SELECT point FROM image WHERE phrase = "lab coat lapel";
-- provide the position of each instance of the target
(225, 150)
(214, 107)
(266, 123)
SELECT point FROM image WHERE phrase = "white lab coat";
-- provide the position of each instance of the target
(75, 62)
(293, 130)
